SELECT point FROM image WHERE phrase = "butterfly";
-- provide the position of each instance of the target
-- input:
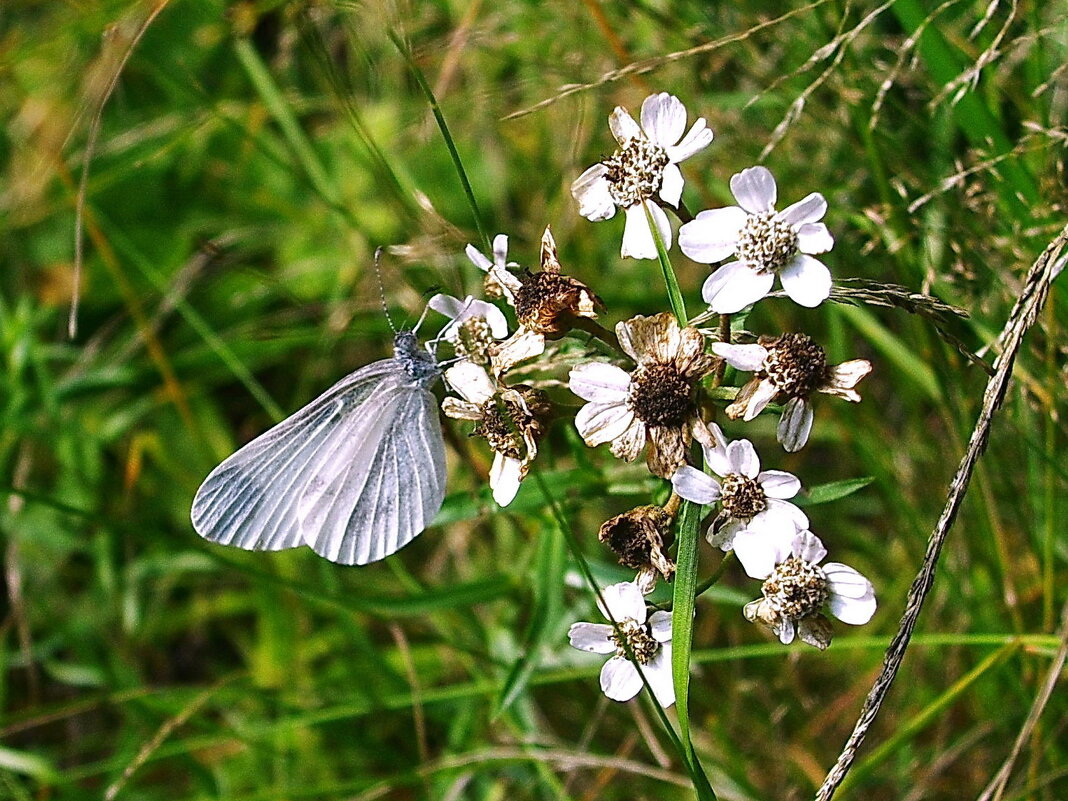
(355, 475)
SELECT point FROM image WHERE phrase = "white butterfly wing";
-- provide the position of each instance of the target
(250, 500)
(384, 482)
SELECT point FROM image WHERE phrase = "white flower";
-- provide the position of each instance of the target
(473, 325)
(642, 168)
(791, 366)
(797, 589)
(547, 304)
(655, 402)
(752, 502)
(765, 243)
(649, 641)
(510, 419)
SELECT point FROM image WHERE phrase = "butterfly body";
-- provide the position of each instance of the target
(354, 475)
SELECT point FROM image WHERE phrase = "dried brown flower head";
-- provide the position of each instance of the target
(655, 402)
(639, 538)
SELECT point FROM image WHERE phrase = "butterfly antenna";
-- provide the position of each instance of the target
(382, 290)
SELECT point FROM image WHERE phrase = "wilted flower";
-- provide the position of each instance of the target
(752, 502)
(791, 366)
(765, 242)
(644, 167)
(510, 419)
(797, 589)
(654, 402)
(474, 325)
(546, 303)
(649, 641)
(638, 537)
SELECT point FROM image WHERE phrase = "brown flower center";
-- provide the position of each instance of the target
(742, 497)
(473, 340)
(766, 243)
(542, 298)
(796, 364)
(502, 425)
(796, 588)
(632, 535)
(637, 636)
(635, 171)
(507, 421)
(660, 396)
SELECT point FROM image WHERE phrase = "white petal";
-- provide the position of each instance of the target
(671, 184)
(625, 601)
(761, 397)
(724, 538)
(748, 358)
(623, 125)
(757, 552)
(847, 582)
(718, 459)
(806, 280)
(600, 382)
(734, 286)
(845, 376)
(779, 484)
(852, 595)
(795, 424)
(754, 189)
(638, 242)
(619, 679)
(591, 191)
(660, 626)
(718, 450)
(593, 637)
(500, 250)
(814, 238)
(786, 631)
(663, 118)
(447, 304)
(658, 674)
(798, 520)
(693, 485)
(742, 458)
(504, 478)
(471, 382)
(855, 611)
(807, 546)
(598, 423)
(774, 522)
(697, 139)
(712, 235)
(807, 210)
(477, 259)
(494, 317)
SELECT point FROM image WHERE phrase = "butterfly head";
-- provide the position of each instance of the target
(417, 362)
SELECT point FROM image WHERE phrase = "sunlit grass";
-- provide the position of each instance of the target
(251, 160)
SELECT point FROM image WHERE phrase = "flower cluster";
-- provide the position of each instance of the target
(649, 391)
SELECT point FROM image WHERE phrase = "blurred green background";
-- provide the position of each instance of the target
(249, 161)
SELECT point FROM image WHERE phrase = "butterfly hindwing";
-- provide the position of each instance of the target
(385, 483)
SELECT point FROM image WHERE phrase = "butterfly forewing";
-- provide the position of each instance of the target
(250, 500)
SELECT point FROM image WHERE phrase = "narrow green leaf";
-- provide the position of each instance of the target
(449, 143)
(682, 613)
(832, 491)
(26, 764)
(280, 109)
